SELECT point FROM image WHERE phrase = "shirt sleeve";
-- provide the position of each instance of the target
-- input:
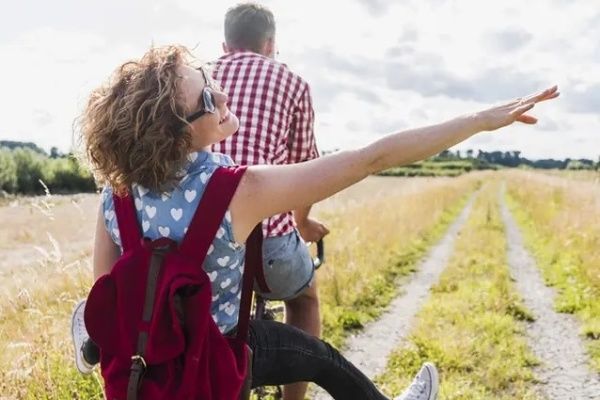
(301, 140)
(110, 218)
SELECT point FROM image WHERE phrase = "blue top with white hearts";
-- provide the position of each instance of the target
(169, 214)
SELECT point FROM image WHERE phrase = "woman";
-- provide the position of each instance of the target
(150, 129)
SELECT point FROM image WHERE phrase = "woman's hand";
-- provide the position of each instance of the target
(505, 114)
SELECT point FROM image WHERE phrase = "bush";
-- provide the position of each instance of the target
(8, 171)
(30, 166)
(21, 170)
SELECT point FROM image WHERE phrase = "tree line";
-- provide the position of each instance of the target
(24, 166)
(513, 159)
(25, 169)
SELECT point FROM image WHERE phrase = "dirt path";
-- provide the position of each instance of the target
(553, 337)
(369, 350)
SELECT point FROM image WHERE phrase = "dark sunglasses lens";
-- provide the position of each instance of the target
(209, 101)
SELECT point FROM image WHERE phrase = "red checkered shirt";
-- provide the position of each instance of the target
(276, 116)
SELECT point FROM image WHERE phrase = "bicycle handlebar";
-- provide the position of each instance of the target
(320, 258)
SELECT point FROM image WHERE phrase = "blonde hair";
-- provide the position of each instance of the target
(133, 129)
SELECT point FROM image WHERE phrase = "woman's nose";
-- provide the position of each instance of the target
(221, 98)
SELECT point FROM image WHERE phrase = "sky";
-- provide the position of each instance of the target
(374, 66)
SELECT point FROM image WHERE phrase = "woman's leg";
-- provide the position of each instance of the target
(284, 354)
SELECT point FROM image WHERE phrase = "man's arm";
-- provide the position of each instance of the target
(311, 230)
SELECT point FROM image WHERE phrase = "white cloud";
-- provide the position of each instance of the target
(374, 66)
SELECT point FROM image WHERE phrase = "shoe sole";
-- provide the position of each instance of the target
(79, 362)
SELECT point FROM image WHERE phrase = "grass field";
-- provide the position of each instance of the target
(471, 325)
(379, 229)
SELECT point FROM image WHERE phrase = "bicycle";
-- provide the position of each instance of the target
(263, 311)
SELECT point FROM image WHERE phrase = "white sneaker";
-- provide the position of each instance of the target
(425, 385)
(80, 336)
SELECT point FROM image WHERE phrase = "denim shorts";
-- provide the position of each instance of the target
(288, 266)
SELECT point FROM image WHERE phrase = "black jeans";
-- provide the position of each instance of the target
(284, 354)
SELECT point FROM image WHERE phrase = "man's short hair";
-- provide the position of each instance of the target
(248, 26)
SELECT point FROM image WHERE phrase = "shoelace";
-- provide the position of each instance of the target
(416, 388)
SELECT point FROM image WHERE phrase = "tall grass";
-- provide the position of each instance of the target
(377, 238)
(471, 326)
(379, 230)
(561, 221)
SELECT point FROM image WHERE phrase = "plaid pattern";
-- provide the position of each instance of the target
(276, 116)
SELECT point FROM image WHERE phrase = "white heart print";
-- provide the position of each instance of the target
(192, 157)
(215, 297)
(210, 249)
(230, 309)
(234, 265)
(212, 276)
(164, 197)
(176, 213)
(116, 232)
(225, 283)
(223, 261)
(151, 211)
(138, 204)
(164, 230)
(109, 214)
(142, 190)
(145, 225)
(190, 195)
(234, 289)
(228, 216)
(220, 232)
(223, 306)
(204, 177)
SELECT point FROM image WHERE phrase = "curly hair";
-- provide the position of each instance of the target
(133, 129)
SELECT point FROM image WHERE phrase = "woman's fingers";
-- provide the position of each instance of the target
(544, 95)
(519, 114)
(527, 119)
(522, 109)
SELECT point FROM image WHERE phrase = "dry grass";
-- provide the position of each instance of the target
(561, 221)
(379, 228)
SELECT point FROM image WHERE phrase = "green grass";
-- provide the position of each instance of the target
(342, 319)
(472, 326)
(565, 245)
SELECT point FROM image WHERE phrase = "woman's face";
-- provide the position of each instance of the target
(210, 127)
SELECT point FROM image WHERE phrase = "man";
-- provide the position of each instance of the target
(276, 117)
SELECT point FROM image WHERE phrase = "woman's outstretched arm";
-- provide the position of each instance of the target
(268, 190)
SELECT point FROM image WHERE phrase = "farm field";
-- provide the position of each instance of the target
(475, 323)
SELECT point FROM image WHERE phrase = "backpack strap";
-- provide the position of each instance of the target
(129, 230)
(210, 212)
(252, 266)
(203, 228)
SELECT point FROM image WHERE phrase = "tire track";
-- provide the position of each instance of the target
(369, 350)
(553, 337)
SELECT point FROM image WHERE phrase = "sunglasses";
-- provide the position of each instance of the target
(208, 101)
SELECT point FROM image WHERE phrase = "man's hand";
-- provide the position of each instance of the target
(311, 230)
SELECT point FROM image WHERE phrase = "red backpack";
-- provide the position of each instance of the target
(150, 316)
